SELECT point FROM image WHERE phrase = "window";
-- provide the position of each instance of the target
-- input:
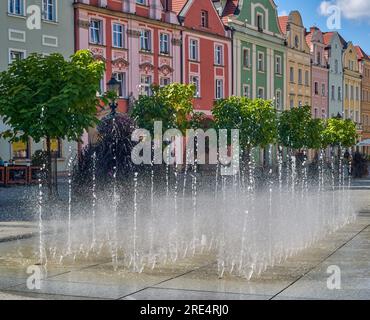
(121, 78)
(194, 49)
(316, 88)
(195, 81)
(332, 92)
(261, 93)
(352, 93)
(118, 40)
(204, 19)
(49, 10)
(20, 150)
(261, 61)
(318, 58)
(219, 89)
(357, 94)
(164, 43)
(346, 92)
(15, 55)
(315, 113)
(260, 22)
(336, 67)
(101, 87)
(306, 78)
(323, 89)
(246, 57)
(145, 84)
(218, 55)
(278, 68)
(142, 2)
(145, 40)
(296, 41)
(164, 81)
(16, 7)
(291, 74)
(291, 103)
(300, 79)
(278, 100)
(246, 91)
(96, 32)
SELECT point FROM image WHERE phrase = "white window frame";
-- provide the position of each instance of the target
(123, 83)
(259, 53)
(99, 32)
(197, 84)
(248, 50)
(219, 88)
(22, 7)
(118, 35)
(219, 54)
(193, 41)
(278, 65)
(146, 40)
(246, 90)
(162, 41)
(163, 80)
(24, 52)
(46, 4)
(258, 91)
(146, 86)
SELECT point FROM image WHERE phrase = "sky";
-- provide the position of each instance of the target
(354, 17)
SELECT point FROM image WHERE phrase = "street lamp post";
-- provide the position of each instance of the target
(113, 86)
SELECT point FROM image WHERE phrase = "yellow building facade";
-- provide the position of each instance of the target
(298, 79)
(352, 85)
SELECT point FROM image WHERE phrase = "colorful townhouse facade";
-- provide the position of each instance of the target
(259, 51)
(352, 85)
(364, 66)
(157, 42)
(298, 62)
(319, 74)
(334, 49)
(35, 26)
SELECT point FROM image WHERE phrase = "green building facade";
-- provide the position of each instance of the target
(259, 50)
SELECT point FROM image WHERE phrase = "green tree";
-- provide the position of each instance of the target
(340, 132)
(255, 119)
(297, 129)
(171, 104)
(48, 97)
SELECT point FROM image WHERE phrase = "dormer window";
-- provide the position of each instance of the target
(319, 58)
(204, 18)
(260, 22)
(296, 42)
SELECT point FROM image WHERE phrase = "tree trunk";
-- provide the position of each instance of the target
(51, 184)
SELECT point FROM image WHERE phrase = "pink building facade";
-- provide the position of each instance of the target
(139, 42)
(321, 93)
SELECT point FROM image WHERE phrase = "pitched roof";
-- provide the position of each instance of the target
(361, 53)
(329, 35)
(230, 9)
(283, 22)
(178, 5)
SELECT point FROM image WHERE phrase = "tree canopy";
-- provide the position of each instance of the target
(48, 96)
(255, 119)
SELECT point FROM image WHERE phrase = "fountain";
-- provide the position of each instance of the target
(159, 215)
